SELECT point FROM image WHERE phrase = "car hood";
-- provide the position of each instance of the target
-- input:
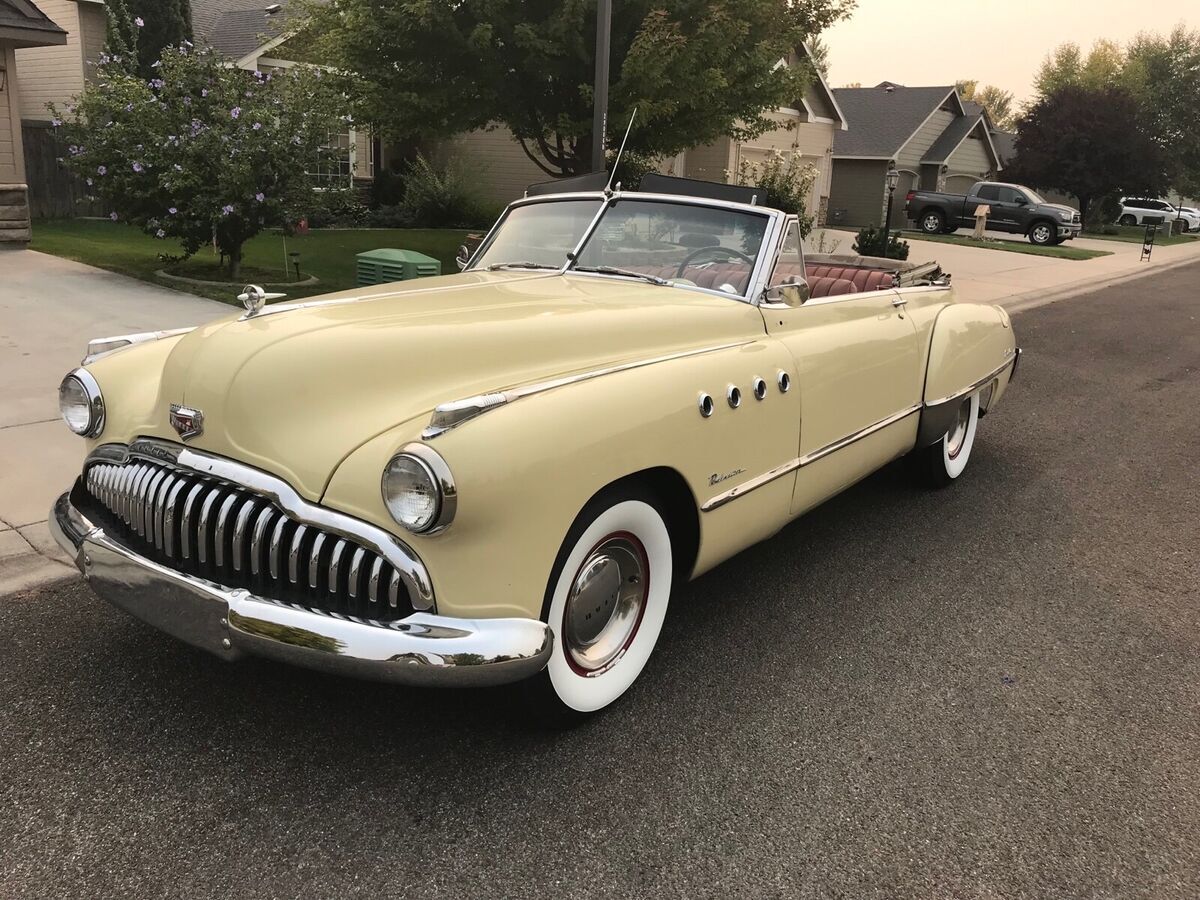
(1060, 207)
(297, 390)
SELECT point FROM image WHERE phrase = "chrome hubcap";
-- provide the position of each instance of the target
(1041, 234)
(606, 603)
(932, 223)
(958, 434)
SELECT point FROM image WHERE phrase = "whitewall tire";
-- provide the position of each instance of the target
(605, 602)
(942, 462)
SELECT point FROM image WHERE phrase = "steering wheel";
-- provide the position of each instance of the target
(729, 251)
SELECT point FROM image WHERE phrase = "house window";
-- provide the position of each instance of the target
(336, 168)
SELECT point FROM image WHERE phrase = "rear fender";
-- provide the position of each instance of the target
(972, 345)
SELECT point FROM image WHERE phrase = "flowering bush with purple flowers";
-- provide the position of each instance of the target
(203, 152)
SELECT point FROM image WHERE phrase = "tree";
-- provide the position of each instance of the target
(204, 152)
(693, 70)
(139, 31)
(1090, 142)
(997, 102)
(818, 52)
(1164, 74)
(1067, 65)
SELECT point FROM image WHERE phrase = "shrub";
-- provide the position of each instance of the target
(203, 152)
(335, 208)
(1104, 211)
(786, 181)
(440, 197)
(870, 243)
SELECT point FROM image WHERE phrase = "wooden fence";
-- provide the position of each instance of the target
(54, 193)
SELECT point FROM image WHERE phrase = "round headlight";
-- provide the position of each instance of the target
(81, 403)
(418, 490)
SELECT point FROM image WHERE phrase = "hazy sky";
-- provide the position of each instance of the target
(1001, 42)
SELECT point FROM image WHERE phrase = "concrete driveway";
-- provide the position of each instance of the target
(49, 309)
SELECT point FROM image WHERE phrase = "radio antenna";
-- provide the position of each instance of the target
(620, 153)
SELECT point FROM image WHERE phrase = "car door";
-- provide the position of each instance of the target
(858, 370)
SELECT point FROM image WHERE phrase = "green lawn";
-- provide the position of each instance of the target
(1063, 251)
(327, 254)
(1135, 234)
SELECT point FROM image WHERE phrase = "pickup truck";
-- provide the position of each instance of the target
(1014, 208)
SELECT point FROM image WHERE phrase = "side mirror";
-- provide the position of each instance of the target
(790, 293)
(1021, 201)
(462, 257)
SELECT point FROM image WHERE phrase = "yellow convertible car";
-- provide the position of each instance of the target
(500, 475)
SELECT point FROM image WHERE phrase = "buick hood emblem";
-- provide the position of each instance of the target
(188, 422)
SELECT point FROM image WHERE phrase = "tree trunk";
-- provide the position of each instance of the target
(235, 262)
(1084, 204)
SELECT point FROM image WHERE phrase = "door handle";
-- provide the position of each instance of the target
(898, 300)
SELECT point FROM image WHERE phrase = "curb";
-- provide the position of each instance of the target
(1035, 298)
(179, 279)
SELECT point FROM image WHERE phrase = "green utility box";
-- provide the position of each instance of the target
(382, 266)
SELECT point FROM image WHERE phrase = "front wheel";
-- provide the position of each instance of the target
(943, 461)
(1127, 220)
(1042, 234)
(605, 602)
(932, 222)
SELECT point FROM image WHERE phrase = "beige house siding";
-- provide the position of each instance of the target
(12, 167)
(503, 171)
(52, 74)
(712, 161)
(918, 145)
(812, 141)
(93, 24)
(857, 194)
(971, 158)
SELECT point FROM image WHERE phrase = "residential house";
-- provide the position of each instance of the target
(22, 26)
(934, 139)
(57, 73)
(253, 35)
(805, 130)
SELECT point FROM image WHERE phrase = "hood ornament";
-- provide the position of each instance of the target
(187, 422)
(254, 298)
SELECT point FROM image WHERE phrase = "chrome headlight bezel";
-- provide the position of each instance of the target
(426, 463)
(94, 401)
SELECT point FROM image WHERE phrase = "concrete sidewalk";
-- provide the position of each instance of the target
(49, 309)
(1022, 281)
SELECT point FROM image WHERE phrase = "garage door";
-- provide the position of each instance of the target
(960, 184)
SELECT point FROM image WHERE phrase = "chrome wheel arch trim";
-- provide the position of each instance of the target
(486, 402)
(276, 490)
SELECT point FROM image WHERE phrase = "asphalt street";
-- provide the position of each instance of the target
(989, 691)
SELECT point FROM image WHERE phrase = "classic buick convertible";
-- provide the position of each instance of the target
(499, 475)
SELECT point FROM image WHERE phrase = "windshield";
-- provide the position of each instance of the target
(539, 235)
(682, 244)
(1034, 196)
(693, 246)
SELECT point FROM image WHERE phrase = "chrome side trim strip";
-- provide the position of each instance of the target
(278, 492)
(801, 461)
(976, 384)
(495, 399)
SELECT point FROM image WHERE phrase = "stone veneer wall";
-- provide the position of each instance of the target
(14, 214)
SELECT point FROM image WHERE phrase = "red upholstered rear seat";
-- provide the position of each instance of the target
(823, 281)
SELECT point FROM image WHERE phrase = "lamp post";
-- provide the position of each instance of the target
(600, 89)
(893, 179)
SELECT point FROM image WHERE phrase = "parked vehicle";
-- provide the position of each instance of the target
(500, 474)
(1014, 209)
(1135, 211)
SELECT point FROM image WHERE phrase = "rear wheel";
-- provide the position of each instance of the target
(943, 461)
(932, 221)
(605, 602)
(1127, 219)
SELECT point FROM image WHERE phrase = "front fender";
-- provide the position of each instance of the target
(972, 345)
(524, 470)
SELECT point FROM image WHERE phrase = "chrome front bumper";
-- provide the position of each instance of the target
(422, 649)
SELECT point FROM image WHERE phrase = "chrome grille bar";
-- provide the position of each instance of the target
(200, 522)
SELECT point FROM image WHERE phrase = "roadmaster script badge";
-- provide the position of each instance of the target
(188, 422)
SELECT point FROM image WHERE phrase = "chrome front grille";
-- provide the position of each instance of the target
(237, 538)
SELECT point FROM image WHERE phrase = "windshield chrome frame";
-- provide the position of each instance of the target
(764, 263)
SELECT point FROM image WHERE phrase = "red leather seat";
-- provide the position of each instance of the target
(830, 287)
(863, 279)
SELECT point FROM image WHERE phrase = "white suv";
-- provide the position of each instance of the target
(1134, 211)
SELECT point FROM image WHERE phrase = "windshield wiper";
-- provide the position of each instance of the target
(628, 273)
(520, 265)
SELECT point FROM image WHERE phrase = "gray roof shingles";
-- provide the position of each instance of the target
(234, 28)
(24, 15)
(879, 121)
